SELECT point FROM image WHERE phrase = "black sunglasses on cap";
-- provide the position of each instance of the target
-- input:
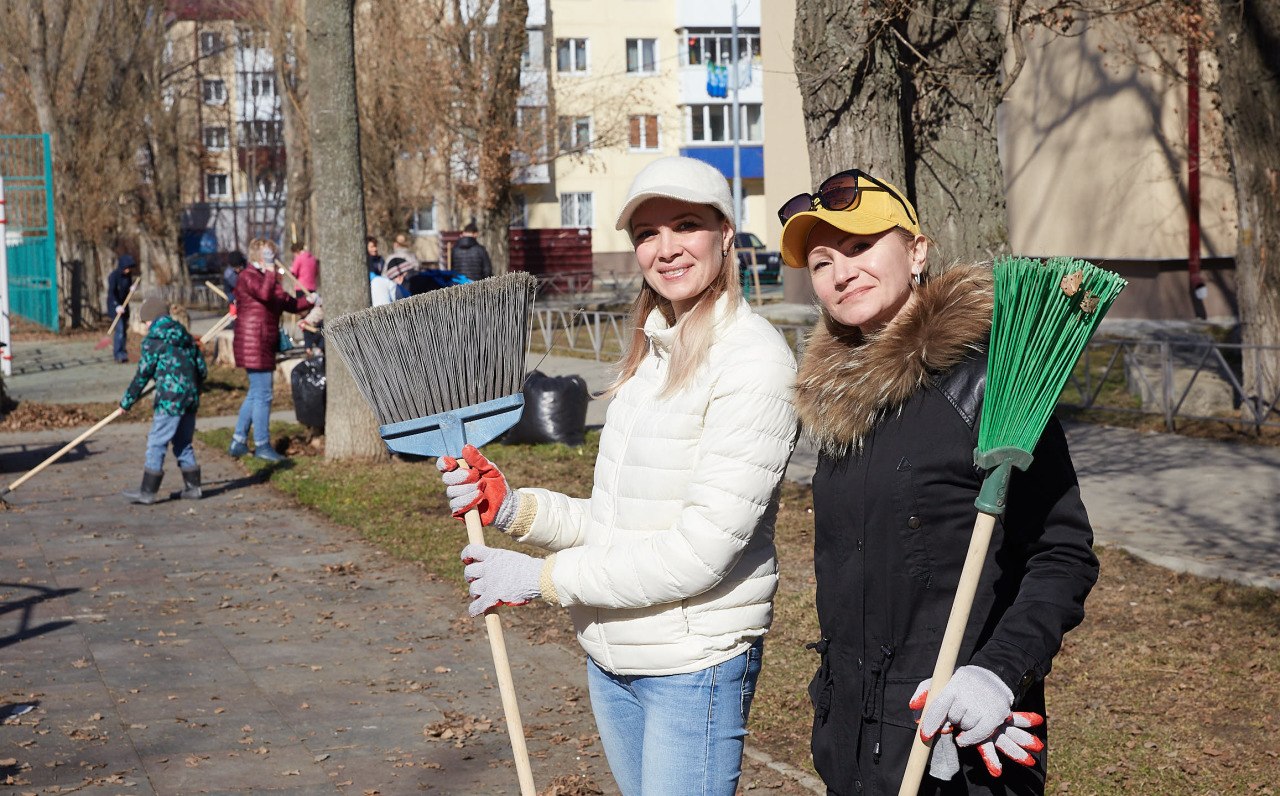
(837, 192)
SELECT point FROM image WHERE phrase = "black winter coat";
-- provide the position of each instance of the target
(470, 259)
(118, 284)
(894, 510)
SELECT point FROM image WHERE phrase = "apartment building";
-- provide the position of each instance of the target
(633, 81)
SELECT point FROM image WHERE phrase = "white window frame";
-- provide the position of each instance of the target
(725, 111)
(576, 46)
(210, 43)
(645, 145)
(519, 211)
(219, 143)
(572, 124)
(220, 85)
(655, 59)
(427, 214)
(571, 209)
(530, 59)
(724, 45)
(212, 180)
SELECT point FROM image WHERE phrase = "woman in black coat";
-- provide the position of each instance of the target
(891, 390)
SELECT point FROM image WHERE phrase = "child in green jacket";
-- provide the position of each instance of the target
(170, 356)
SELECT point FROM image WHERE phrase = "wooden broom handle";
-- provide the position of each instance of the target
(118, 411)
(966, 590)
(120, 315)
(222, 323)
(506, 683)
(215, 289)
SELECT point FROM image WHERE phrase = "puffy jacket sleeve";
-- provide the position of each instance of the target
(561, 521)
(749, 429)
(1047, 519)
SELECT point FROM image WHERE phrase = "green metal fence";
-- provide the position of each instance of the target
(27, 167)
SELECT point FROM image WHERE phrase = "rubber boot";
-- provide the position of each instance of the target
(146, 494)
(191, 483)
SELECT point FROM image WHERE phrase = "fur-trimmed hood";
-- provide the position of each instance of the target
(848, 381)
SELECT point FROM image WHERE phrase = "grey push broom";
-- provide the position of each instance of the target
(442, 370)
(1045, 313)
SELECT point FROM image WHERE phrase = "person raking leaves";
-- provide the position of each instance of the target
(171, 357)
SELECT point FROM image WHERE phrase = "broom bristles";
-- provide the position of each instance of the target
(439, 351)
(1038, 332)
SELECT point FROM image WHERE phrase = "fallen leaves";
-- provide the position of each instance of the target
(457, 727)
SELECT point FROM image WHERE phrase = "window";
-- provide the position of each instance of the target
(531, 134)
(262, 84)
(210, 43)
(260, 133)
(644, 134)
(215, 92)
(519, 211)
(216, 186)
(571, 56)
(716, 47)
(533, 55)
(423, 221)
(215, 138)
(642, 56)
(713, 123)
(575, 210)
(575, 133)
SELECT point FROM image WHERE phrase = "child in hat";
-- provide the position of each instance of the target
(170, 356)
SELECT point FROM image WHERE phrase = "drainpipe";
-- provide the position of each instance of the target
(1198, 288)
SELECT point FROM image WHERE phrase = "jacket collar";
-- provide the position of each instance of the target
(848, 382)
(662, 337)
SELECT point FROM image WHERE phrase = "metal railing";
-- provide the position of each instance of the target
(1161, 377)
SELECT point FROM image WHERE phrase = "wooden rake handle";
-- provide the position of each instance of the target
(966, 590)
(63, 451)
(120, 315)
(217, 327)
(506, 683)
(217, 290)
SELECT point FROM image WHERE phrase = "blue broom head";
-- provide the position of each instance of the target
(444, 368)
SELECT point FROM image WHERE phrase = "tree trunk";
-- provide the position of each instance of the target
(908, 94)
(499, 132)
(846, 61)
(351, 432)
(954, 164)
(1250, 90)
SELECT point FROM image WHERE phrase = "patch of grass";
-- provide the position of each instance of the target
(1170, 686)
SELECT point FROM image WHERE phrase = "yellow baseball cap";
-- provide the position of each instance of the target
(873, 211)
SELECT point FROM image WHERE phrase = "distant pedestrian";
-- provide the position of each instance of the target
(470, 258)
(230, 274)
(118, 285)
(170, 356)
(375, 260)
(304, 268)
(389, 286)
(259, 302)
(402, 250)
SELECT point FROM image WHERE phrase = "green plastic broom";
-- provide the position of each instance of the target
(1045, 313)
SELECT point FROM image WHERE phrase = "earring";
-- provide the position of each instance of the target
(916, 277)
(724, 253)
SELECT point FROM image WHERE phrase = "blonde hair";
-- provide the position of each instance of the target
(255, 251)
(694, 331)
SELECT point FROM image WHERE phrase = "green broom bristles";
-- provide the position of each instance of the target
(439, 351)
(1038, 332)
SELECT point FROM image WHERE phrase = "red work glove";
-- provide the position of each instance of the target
(482, 488)
(1013, 741)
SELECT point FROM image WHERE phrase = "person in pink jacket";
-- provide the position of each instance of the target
(304, 267)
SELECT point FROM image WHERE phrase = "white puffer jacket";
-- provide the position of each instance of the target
(669, 567)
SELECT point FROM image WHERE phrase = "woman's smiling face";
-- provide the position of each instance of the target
(863, 280)
(680, 248)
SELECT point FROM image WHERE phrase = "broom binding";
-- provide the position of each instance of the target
(446, 433)
(998, 464)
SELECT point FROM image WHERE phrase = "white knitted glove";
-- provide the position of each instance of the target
(500, 577)
(975, 702)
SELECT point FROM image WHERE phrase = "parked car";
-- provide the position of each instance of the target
(767, 264)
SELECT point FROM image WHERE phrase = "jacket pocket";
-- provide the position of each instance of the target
(830, 756)
(910, 525)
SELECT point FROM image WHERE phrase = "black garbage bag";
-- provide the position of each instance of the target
(555, 410)
(308, 391)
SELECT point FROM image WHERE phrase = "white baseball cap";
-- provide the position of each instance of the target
(686, 179)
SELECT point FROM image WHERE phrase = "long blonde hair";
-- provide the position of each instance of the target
(694, 331)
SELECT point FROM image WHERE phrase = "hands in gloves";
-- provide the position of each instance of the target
(974, 708)
(500, 577)
(482, 487)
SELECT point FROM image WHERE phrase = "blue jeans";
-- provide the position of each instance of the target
(119, 338)
(166, 429)
(677, 734)
(256, 409)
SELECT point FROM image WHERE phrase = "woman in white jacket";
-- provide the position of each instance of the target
(668, 569)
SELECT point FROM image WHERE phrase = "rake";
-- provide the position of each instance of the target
(106, 341)
(1045, 313)
(442, 370)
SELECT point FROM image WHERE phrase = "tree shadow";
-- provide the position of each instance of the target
(262, 476)
(25, 607)
(28, 456)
